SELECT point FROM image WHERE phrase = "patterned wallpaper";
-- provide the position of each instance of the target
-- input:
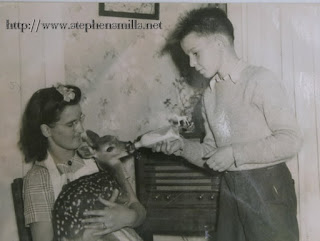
(130, 86)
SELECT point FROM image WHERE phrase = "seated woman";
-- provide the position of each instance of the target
(49, 137)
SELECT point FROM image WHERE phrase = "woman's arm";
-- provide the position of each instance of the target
(38, 201)
(140, 212)
(41, 231)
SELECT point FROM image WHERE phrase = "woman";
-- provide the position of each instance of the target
(50, 134)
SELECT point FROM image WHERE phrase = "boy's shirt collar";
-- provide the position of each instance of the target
(234, 75)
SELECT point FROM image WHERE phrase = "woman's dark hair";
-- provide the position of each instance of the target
(203, 21)
(44, 107)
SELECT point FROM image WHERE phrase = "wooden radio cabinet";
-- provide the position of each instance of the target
(180, 198)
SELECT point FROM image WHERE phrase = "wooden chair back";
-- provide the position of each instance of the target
(23, 231)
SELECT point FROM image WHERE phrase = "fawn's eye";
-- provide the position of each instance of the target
(110, 149)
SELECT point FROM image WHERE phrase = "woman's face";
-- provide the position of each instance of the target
(66, 133)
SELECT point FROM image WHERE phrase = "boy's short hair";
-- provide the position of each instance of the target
(204, 21)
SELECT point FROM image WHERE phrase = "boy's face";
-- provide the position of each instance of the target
(205, 53)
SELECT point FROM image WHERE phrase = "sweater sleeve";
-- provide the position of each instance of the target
(194, 151)
(285, 139)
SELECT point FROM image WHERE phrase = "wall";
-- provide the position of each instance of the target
(126, 80)
(28, 62)
(286, 39)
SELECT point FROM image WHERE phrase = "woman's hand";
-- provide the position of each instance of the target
(112, 218)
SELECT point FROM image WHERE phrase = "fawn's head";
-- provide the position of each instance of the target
(106, 149)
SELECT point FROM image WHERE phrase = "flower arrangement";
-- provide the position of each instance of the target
(188, 98)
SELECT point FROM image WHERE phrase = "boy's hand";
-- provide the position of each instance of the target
(169, 147)
(220, 159)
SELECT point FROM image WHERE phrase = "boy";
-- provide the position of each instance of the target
(250, 134)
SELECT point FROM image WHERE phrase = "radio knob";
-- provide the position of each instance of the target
(156, 197)
(200, 196)
(168, 197)
(212, 197)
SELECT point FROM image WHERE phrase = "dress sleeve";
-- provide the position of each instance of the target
(285, 139)
(38, 195)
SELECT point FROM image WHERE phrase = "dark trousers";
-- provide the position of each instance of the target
(258, 205)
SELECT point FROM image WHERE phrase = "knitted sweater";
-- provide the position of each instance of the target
(248, 110)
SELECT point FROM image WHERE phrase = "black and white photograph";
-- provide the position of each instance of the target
(159, 121)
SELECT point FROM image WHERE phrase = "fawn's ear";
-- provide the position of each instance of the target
(92, 139)
(88, 149)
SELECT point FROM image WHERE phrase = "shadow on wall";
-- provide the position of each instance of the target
(191, 77)
(181, 60)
